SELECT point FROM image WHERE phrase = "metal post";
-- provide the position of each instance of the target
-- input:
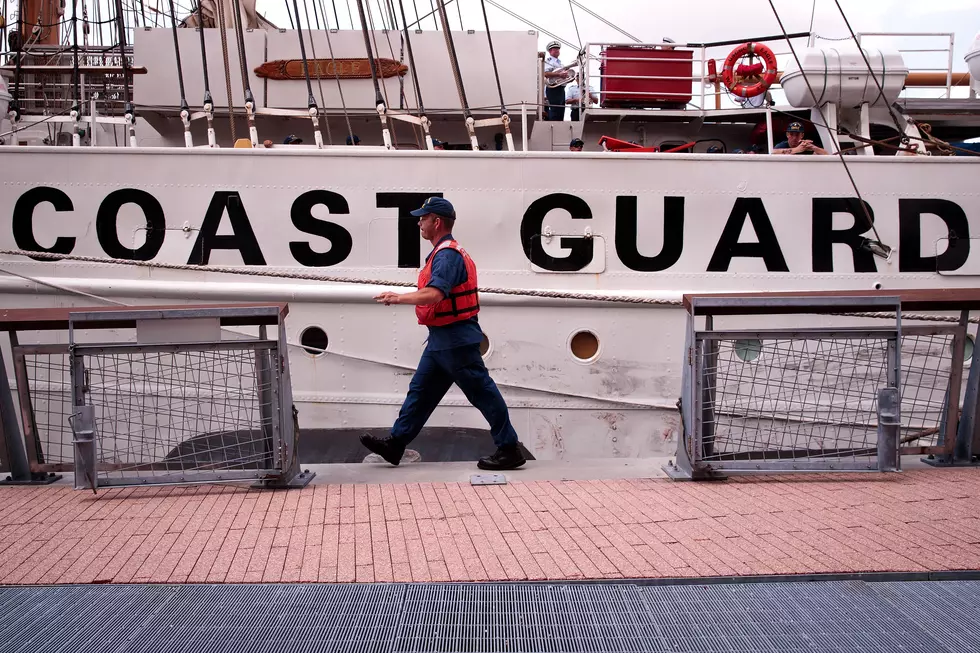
(292, 475)
(12, 447)
(709, 380)
(769, 140)
(949, 68)
(704, 72)
(83, 429)
(889, 423)
(968, 432)
(524, 125)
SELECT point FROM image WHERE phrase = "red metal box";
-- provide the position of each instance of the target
(623, 69)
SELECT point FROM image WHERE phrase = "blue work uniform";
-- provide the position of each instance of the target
(452, 355)
(554, 95)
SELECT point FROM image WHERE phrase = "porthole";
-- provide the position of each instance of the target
(485, 347)
(314, 340)
(967, 348)
(748, 350)
(584, 346)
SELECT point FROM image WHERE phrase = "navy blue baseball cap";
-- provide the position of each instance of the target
(438, 206)
(292, 139)
(794, 128)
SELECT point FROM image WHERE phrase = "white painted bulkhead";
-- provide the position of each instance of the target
(621, 404)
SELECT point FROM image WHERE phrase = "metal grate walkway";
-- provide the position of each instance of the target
(933, 616)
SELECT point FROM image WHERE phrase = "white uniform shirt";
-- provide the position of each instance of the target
(572, 93)
(551, 64)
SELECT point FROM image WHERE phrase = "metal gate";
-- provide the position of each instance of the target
(790, 399)
(181, 404)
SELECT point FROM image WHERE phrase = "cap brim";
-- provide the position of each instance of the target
(418, 213)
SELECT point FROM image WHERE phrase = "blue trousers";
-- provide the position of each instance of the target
(436, 373)
(556, 103)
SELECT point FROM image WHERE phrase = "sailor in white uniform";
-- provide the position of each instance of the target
(554, 95)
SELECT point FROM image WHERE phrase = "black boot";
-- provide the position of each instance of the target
(388, 448)
(508, 456)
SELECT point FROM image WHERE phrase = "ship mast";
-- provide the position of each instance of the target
(40, 22)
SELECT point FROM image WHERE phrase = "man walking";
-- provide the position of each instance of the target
(447, 303)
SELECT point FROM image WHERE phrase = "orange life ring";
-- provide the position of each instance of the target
(742, 88)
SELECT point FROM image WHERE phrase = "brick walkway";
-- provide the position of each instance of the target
(915, 521)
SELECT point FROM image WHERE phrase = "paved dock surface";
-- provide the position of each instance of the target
(916, 521)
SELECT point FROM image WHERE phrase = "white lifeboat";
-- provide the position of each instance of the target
(972, 59)
(841, 76)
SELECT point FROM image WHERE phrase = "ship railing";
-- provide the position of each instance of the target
(875, 381)
(46, 85)
(930, 65)
(167, 400)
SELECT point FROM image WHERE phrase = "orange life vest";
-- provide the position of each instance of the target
(462, 302)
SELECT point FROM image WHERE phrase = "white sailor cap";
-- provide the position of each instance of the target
(553, 44)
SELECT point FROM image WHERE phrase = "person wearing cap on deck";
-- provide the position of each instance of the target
(438, 145)
(795, 143)
(576, 145)
(555, 95)
(353, 140)
(447, 303)
(292, 139)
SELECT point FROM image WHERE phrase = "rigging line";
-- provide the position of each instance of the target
(881, 92)
(402, 100)
(340, 90)
(289, 13)
(76, 77)
(378, 100)
(411, 60)
(864, 207)
(529, 23)
(416, 9)
(493, 59)
(127, 77)
(607, 22)
(319, 74)
(571, 10)
(180, 70)
(457, 76)
(432, 13)
(306, 10)
(223, 30)
(239, 28)
(323, 12)
(349, 16)
(460, 12)
(204, 57)
(813, 15)
(335, 16)
(377, 50)
(311, 101)
(423, 119)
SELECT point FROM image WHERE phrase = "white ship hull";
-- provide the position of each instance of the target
(654, 226)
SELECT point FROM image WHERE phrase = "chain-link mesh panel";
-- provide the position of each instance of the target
(785, 398)
(44, 389)
(183, 413)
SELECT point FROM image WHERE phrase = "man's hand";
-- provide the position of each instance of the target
(388, 298)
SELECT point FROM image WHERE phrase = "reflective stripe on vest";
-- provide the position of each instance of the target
(463, 301)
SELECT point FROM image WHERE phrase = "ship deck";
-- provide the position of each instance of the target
(603, 562)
